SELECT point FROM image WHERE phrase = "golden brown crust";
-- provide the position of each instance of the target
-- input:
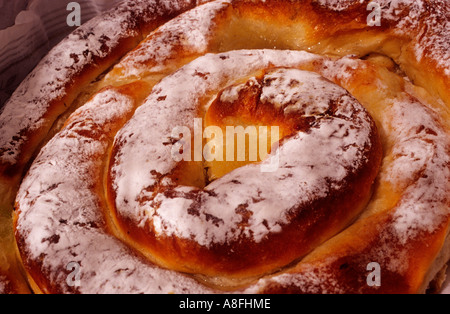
(308, 223)
(69, 68)
(409, 210)
(76, 63)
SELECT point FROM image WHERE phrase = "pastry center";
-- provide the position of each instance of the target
(245, 174)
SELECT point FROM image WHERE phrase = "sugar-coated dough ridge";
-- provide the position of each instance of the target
(61, 217)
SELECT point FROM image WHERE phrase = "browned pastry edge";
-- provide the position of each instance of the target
(309, 224)
(139, 23)
(85, 68)
(431, 75)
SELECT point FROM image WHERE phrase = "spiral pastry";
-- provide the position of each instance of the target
(127, 176)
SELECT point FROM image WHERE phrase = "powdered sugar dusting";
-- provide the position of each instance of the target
(171, 98)
(430, 20)
(294, 93)
(422, 155)
(163, 121)
(231, 94)
(338, 5)
(341, 69)
(52, 77)
(191, 30)
(61, 220)
(419, 166)
(312, 280)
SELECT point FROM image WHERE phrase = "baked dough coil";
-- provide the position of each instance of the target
(362, 164)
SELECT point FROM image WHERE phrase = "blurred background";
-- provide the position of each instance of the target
(29, 29)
